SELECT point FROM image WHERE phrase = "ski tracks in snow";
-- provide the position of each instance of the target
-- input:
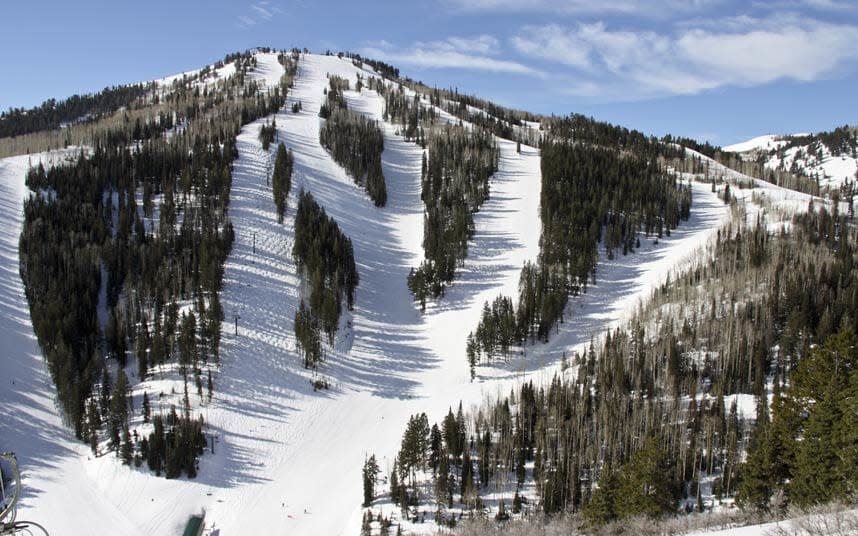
(288, 459)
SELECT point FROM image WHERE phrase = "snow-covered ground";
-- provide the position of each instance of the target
(818, 162)
(268, 70)
(765, 143)
(57, 490)
(288, 458)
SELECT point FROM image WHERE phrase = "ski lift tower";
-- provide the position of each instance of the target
(10, 492)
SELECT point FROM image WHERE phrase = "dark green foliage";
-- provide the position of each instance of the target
(589, 194)
(52, 113)
(455, 185)
(646, 484)
(384, 69)
(183, 260)
(498, 329)
(308, 335)
(668, 381)
(126, 452)
(267, 134)
(712, 151)
(355, 142)
(325, 257)
(281, 179)
(812, 440)
(407, 112)
(334, 98)
(602, 506)
(840, 141)
(175, 444)
(118, 411)
(587, 131)
(85, 233)
(370, 479)
(414, 450)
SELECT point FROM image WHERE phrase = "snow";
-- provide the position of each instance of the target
(832, 170)
(746, 405)
(839, 520)
(268, 69)
(767, 142)
(55, 490)
(212, 78)
(286, 455)
(758, 197)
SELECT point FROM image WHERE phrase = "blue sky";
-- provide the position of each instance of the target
(721, 70)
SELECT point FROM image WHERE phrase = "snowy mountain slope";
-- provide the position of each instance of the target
(56, 488)
(213, 75)
(395, 360)
(764, 143)
(268, 70)
(288, 459)
(776, 203)
(809, 158)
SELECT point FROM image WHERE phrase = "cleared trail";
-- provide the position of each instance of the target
(400, 362)
(287, 458)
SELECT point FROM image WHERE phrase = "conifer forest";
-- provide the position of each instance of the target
(306, 293)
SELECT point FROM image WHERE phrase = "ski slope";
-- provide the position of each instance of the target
(55, 488)
(817, 163)
(287, 458)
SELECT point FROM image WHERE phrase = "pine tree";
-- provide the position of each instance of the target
(281, 179)
(118, 410)
(127, 449)
(147, 410)
(601, 509)
(370, 478)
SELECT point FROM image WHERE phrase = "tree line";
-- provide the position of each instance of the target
(325, 258)
(590, 195)
(455, 183)
(52, 114)
(140, 228)
(355, 142)
(637, 423)
(281, 179)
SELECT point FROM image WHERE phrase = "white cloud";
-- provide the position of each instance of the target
(262, 10)
(258, 12)
(483, 44)
(646, 8)
(474, 53)
(628, 64)
(245, 22)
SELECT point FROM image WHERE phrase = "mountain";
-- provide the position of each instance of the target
(828, 158)
(163, 212)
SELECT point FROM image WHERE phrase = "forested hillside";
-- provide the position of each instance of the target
(576, 323)
(354, 141)
(455, 183)
(649, 420)
(591, 196)
(122, 257)
(818, 162)
(77, 108)
(325, 258)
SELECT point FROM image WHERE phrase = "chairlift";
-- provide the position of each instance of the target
(10, 492)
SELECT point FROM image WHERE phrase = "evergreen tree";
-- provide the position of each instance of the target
(147, 411)
(645, 486)
(281, 179)
(127, 450)
(370, 479)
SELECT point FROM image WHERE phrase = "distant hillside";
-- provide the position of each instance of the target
(829, 158)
